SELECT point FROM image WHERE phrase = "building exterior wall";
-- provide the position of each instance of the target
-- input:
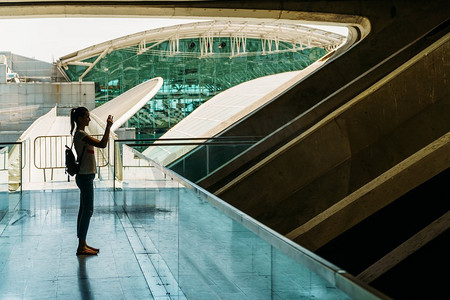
(22, 103)
(2, 73)
(30, 69)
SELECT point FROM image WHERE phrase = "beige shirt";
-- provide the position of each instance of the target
(88, 165)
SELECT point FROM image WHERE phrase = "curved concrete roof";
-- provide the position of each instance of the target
(225, 109)
(127, 104)
(269, 33)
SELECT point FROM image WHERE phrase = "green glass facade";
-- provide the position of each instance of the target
(190, 79)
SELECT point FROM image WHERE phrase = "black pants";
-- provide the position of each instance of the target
(85, 183)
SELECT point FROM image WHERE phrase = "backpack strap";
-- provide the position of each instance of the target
(82, 152)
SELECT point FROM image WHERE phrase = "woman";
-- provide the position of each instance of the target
(84, 146)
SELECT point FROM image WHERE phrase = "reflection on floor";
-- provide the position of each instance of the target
(156, 243)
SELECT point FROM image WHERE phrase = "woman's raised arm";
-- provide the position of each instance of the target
(104, 141)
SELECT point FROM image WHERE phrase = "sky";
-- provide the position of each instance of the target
(48, 39)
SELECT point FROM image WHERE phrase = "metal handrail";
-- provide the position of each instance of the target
(24, 153)
(189, 144)
(226, 138)
(24, 149)
(3, 162)
(57, 143)
(20, 160)
(199, 141)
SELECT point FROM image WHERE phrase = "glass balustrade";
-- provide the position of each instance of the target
(193, 245)
(10, 176)
(193, 158)
(190, 244)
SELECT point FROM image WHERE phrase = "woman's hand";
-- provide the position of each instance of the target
(104, 141)
(109, 121)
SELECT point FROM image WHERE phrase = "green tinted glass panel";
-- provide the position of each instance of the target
(190, 79)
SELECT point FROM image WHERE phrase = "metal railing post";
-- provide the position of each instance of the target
(207, 159)
(20, 167)
(114, 168)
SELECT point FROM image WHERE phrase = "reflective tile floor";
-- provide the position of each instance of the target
(158, 242)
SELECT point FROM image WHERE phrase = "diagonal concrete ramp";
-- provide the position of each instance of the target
(372, 133)
(381, 191)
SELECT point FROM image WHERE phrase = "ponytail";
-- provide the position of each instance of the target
(75, 113)
(72, 119)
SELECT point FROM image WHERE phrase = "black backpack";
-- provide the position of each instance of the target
(72, 164)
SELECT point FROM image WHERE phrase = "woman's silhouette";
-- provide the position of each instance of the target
(84, 146)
